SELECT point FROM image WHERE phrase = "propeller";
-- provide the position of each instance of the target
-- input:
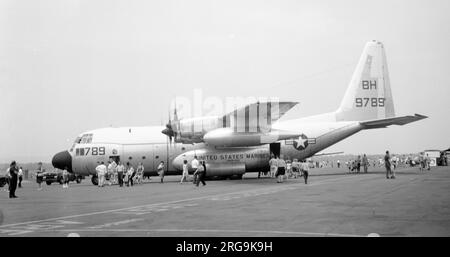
(169, 130)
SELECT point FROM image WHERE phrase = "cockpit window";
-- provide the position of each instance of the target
(77, 141)
(86, 139)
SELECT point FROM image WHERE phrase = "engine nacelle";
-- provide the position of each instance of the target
(227, 137)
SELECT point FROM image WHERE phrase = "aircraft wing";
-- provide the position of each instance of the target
(258, 116)
(382, 123)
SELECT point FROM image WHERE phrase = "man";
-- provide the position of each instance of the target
(20, 177)
(129, 176)
(161, 171)
(200, 173)
(66, 178)
(13, 171)
(101, 171)
(194, 163)
(358, 164)
(305, 169)
(40, 175)
(365, 163)
(120, 171)
(338, 164)
(387, 165)
(273, 163)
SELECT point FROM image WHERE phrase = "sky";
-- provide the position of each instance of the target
(76, 65)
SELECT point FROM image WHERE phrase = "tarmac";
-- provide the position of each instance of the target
(333, 203)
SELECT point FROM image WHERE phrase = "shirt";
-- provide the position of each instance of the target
(130, 171)
(185, 168)
(281, 163)
(20, 172)
(273, 162)
(305, 166)
(120, 168)
(194, 164)
(101, 169)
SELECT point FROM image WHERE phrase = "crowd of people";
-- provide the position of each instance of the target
(117, 173)
(279, 168)
(282, 168)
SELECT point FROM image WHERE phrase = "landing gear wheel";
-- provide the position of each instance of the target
(94, 180)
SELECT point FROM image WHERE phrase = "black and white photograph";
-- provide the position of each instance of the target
(231, 119)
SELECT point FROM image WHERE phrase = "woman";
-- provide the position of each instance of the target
(281, 170)
(161, 171)
(140, 173)
(185, 172)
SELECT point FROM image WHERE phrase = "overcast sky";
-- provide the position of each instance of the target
(71, 66)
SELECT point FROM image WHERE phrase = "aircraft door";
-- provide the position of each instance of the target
(160, 154)
(275, 149)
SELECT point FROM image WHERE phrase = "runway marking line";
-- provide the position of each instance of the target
(279, 188)
(213, 231)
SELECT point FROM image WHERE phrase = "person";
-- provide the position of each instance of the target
(40, 175)
(387, 164)
(185, 172)
(128, 176)
(281, 170)
(194, 163)
(112, 169)
(160, 170)
(101, 171)
(338, 164)
(132, 177)
(200, 174)
(295, 168)
(421, 161)
(289, 168)
(20, 174)
(358, 164)
(13, 174)
(427, 162)
(140, 173)
(273, 166)
(365, 163)
(120, 171)
(305, 171)
(65, 178)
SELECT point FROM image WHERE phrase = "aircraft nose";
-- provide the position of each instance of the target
(61, 160)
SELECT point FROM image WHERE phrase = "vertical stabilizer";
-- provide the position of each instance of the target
(368, 96)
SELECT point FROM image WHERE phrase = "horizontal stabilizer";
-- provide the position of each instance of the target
(382, 123)
(325, 154)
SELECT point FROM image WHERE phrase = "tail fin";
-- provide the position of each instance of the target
(368, 96)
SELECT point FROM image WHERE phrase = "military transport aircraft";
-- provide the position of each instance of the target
(244, 140)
